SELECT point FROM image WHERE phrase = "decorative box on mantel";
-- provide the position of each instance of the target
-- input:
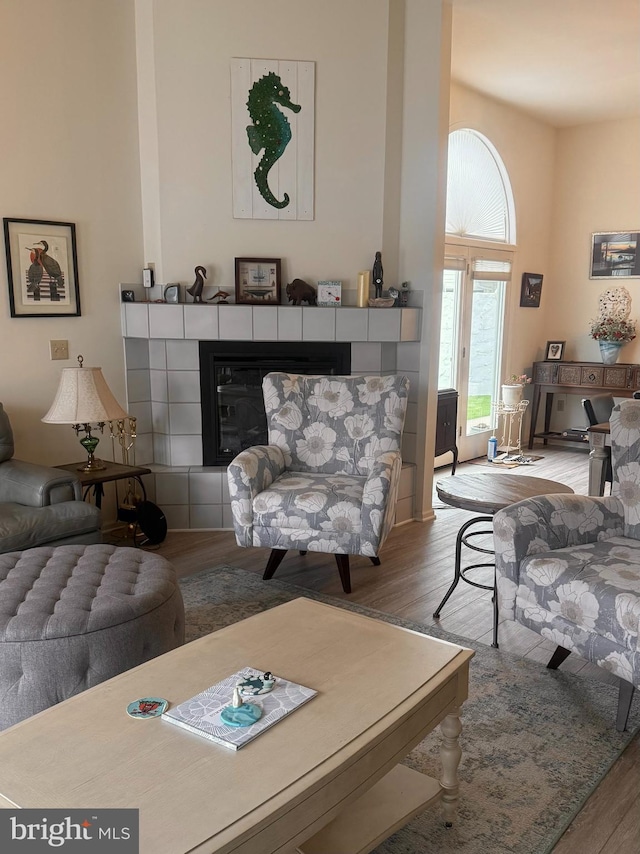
(163, 387)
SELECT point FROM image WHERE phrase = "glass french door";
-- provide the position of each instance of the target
(471, 339)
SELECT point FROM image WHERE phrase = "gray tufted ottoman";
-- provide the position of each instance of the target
(73, 616)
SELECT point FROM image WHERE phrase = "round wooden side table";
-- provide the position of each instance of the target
(486, 494)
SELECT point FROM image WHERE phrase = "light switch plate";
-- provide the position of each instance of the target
(59, 349)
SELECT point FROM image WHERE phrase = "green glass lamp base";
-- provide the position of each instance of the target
(90, 443)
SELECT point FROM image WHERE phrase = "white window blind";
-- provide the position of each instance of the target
(491, 270)
(479, 197)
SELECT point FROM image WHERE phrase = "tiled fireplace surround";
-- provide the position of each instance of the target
(163, 388)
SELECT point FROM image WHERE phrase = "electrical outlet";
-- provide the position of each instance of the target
(59, 349)
(561, 404)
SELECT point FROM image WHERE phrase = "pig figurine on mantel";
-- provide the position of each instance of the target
(300, 291)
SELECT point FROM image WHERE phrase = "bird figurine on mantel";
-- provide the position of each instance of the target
(221, 296)
(197, 287)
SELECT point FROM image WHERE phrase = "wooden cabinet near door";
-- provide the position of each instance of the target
(446, 426)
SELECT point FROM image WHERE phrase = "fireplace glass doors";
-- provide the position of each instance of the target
(231, 375)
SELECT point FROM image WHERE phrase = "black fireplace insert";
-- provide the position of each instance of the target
(231, 374)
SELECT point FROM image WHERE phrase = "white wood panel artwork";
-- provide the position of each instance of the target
(272, 138)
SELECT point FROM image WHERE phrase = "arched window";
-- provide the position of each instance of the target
(479, 197)
(475, 288)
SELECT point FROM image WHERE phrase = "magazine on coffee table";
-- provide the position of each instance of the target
(201, 714)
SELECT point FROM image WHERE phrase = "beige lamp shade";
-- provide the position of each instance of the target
(83, 397)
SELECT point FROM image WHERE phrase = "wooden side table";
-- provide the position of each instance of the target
(97, 479)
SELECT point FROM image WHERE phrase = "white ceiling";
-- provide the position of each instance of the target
(567, 62)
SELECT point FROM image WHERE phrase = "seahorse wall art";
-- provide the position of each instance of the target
(270, 130)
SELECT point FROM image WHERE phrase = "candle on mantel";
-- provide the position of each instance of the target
(364, 284)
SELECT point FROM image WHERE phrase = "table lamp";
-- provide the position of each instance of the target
(84, 399)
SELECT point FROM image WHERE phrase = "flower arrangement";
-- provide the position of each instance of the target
(518, 379)
(612, 323)
(612, 329)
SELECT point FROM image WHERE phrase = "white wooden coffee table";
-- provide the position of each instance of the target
(325, 779)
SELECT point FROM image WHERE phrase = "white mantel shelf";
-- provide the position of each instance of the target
(269, 323)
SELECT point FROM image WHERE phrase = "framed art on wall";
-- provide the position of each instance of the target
(554, 351)
(42, 268)
(258, 281)
(615, 255)
(272, 138)
(530, 290)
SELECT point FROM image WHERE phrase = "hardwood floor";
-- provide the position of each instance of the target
(416, 570)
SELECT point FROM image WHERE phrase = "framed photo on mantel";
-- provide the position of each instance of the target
(258, 281)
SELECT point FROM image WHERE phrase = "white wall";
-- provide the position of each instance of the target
(422, 216)
(378, 148)
(567, 184)
(73, 153)
(193, 44)
(597, 188)
(69, 153)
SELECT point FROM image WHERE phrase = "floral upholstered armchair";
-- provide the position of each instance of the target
(328, 479)
(568, 566)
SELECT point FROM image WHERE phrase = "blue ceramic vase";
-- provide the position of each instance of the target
(609, 351)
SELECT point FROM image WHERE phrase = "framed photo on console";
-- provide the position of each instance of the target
(258, 281)
(42, 268)
(554, 351)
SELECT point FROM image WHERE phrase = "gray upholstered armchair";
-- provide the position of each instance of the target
(568, 566)
(328, 479)
(40, 505)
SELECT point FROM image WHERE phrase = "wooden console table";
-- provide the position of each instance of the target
(583, 378)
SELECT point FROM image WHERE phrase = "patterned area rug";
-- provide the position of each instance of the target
(535, 742)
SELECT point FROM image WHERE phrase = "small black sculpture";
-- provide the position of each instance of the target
(377, 274)
(299, 290)
(196, 288)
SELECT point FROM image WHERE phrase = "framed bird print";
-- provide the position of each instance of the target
(42, 268)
